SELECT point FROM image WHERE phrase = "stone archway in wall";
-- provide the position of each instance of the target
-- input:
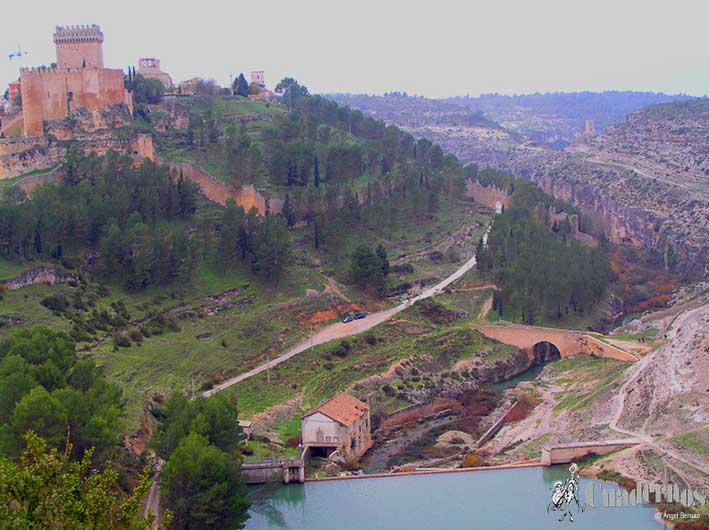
(544, 352)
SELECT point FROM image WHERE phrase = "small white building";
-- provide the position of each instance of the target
(341, 423)
(247, 427)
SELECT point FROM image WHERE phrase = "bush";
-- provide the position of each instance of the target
(472, 460)
(120, 339)
(370, 339)
(403, 268)
(436, 255)
(136, 335)
(452, 255)
(56, 302)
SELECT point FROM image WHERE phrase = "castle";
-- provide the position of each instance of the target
(78, 80)
(149, 67)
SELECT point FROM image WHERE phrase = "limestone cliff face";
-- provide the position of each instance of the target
(629, 225)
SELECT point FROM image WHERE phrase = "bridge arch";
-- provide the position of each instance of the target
(566, 342)
(544, 352)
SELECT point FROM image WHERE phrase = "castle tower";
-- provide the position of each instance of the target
(79, 47)
(258, 78)
(79, 81)
(149, 67)
(590, 128)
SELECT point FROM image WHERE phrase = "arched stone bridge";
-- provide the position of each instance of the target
(568, 342)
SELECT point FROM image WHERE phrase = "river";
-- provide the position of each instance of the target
(505, 499)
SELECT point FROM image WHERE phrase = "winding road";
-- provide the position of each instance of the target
(341, 330)
(648, 440)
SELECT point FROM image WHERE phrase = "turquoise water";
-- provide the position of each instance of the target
(509, 499)
(528, 375)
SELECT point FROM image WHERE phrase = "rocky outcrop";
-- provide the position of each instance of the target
(85, 120)
(46, 275)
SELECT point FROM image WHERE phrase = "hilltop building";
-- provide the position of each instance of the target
(189, 86)
(149, 67)
(340, 424)
(257, 78)
(79, 80)
(590, 128)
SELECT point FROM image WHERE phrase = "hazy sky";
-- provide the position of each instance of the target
(437, 48)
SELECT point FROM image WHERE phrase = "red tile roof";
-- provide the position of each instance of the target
(342, 408)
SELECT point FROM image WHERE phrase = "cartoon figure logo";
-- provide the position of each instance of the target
(564, 493)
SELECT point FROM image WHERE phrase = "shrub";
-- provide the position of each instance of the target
(136, 335)
(120, 339)
(56, 302)
(403, 268)
(172, 324)
(472, 460)
(452, 255)
(436, 255)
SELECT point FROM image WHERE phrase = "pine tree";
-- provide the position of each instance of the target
(316, 172)
(287, 211)
(316, 233)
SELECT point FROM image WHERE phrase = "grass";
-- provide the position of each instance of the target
(208, 347)
(696, 441)
(24, 304)
(321, 372)
(9, 182)
(11, 269)
(584, 378)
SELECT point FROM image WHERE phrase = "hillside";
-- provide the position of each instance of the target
(557, 119)
(643, 180)
(158, 310)
(662, 142)
(661, 399)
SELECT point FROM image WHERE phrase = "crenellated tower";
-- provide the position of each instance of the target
(79, 47)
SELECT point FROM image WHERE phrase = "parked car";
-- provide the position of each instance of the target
(347, 319)
(360, 316)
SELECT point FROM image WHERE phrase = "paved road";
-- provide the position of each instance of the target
(341, 330)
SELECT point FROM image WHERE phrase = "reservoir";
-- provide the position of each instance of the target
(505, 499)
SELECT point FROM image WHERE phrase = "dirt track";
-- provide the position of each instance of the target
(341, 330)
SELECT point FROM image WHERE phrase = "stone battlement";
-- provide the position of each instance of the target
(81, 33)
(46, 70)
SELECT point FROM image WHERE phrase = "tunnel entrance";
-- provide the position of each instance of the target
(545, 352)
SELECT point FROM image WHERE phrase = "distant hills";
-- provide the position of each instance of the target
(558, 118)
(552, 119)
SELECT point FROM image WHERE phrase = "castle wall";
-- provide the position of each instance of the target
(51, 94)
(487, 196)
